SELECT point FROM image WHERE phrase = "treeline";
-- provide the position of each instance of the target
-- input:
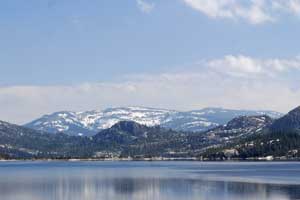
(280, 144)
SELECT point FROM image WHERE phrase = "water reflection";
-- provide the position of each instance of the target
(141, 188)
(133, 184)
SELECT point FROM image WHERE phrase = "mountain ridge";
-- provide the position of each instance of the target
(279, 139)
(243, 137)
(90, 122)
(290, 121)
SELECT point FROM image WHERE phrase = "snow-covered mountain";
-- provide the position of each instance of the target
(91, 122)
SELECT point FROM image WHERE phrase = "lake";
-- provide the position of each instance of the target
(149, 180)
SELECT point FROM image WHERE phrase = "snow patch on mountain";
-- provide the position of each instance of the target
(91, 122)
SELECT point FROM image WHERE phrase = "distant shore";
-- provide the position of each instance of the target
(263, 159)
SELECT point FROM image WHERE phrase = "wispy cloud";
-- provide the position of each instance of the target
(252, 11)
(232, 81)
(245, 66)
(289, 6)
(144, 6)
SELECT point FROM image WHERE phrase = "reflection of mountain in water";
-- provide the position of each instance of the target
(92, 187)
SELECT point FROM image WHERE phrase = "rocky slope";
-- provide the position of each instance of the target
(280, 139)
(290, 122)
(20, 143)
(239, 127)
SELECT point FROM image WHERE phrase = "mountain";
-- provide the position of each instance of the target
(128, 138)
(20, 143)
(278, 138)
(238, 128)
(90, 122)
(124, 139)
(289, 122)
(244, 137)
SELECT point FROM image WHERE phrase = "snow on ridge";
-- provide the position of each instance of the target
(96, 120)
(108, 124)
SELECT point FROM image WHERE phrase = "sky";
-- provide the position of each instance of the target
(176, 54)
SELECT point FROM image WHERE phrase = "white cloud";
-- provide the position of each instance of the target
(232, 82)
(294, 6)
(145, 6)
(245, 66)
(253, 11)
(289, 6)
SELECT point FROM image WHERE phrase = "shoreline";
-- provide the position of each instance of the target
(151, 160)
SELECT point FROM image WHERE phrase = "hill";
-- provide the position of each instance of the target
(280, 139)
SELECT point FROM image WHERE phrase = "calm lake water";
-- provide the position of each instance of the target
(149, 181)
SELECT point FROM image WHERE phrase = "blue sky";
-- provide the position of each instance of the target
(179, 54)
